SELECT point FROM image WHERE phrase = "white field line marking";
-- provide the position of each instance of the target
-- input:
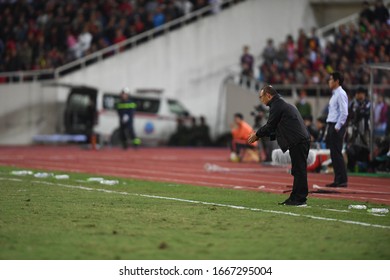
(336, 210)
(11, 179)
(214, 204)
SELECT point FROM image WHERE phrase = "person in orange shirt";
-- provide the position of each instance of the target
(240, 130)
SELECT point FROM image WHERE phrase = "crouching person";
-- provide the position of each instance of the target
(240, 130)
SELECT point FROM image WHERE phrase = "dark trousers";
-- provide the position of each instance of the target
(126, 130)
(334, 142)
(237, 146)
(298, 155)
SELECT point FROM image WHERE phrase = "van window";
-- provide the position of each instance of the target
(144, 105)
(177, 108)
(109, 101)
(79, 102)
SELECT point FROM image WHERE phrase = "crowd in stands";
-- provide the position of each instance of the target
(43, 34)
(304, 61)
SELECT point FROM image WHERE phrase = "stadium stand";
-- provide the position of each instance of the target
(39, 34)
(305, 61)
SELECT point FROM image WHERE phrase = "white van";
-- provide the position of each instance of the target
(155, 119)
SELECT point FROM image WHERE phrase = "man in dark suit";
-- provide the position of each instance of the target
(291, 133)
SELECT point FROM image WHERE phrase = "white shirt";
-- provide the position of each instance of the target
(338, 107)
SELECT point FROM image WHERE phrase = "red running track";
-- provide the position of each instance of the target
(197, 166)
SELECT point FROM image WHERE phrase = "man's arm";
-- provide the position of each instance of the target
(270, 126)
(343, 105)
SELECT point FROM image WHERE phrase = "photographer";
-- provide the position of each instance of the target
(359, 129)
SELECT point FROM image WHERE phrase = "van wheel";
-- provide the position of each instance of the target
(115, 138)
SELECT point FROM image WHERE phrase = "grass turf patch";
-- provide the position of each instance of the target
(75, 219)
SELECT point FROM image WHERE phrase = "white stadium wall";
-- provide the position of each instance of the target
(191, 63)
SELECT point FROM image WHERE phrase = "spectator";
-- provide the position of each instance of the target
(180, 137)
(313, 41)
(246, 61)
(159, 17)
(185, 6)
(193, 133)
(311, 128)
(290, 47)
(302, 105)
(83, 42)
(269, 52)
(138, 24)
(247, 58)
(381, 13)
(321, 128)
(119, 37)
(367, 13)
(301, 43)
(204, 132)
(199, 4)
(380, 116)
(216, 4)
(246, 75)
(71, 42)
(171, 11)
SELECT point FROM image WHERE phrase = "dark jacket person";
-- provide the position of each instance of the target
(291, 134)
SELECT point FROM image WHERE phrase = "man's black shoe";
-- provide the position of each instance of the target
(290, 202)
(337, 185)
(284, 202)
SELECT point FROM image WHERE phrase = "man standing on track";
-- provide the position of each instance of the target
(126, 108)
(291, 134)
(336, 120)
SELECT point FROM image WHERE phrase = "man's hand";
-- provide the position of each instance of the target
(252, 138)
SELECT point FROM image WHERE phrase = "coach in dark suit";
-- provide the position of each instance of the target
(291, 134)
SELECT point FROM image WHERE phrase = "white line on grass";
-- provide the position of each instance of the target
(11, 179)
(209, 203)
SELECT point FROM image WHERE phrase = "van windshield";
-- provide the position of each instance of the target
(79, 102)
(177, 108)
(144, 105)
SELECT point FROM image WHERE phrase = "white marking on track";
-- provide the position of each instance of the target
(211, 203)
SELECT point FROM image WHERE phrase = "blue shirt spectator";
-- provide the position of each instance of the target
(158, 18)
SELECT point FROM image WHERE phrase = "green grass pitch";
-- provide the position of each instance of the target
(46, 218)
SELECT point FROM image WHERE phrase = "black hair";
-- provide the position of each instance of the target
(362, 90)
(337, 76)
(308, 118)
(322, 119)
(239, 115)
(269, 89)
